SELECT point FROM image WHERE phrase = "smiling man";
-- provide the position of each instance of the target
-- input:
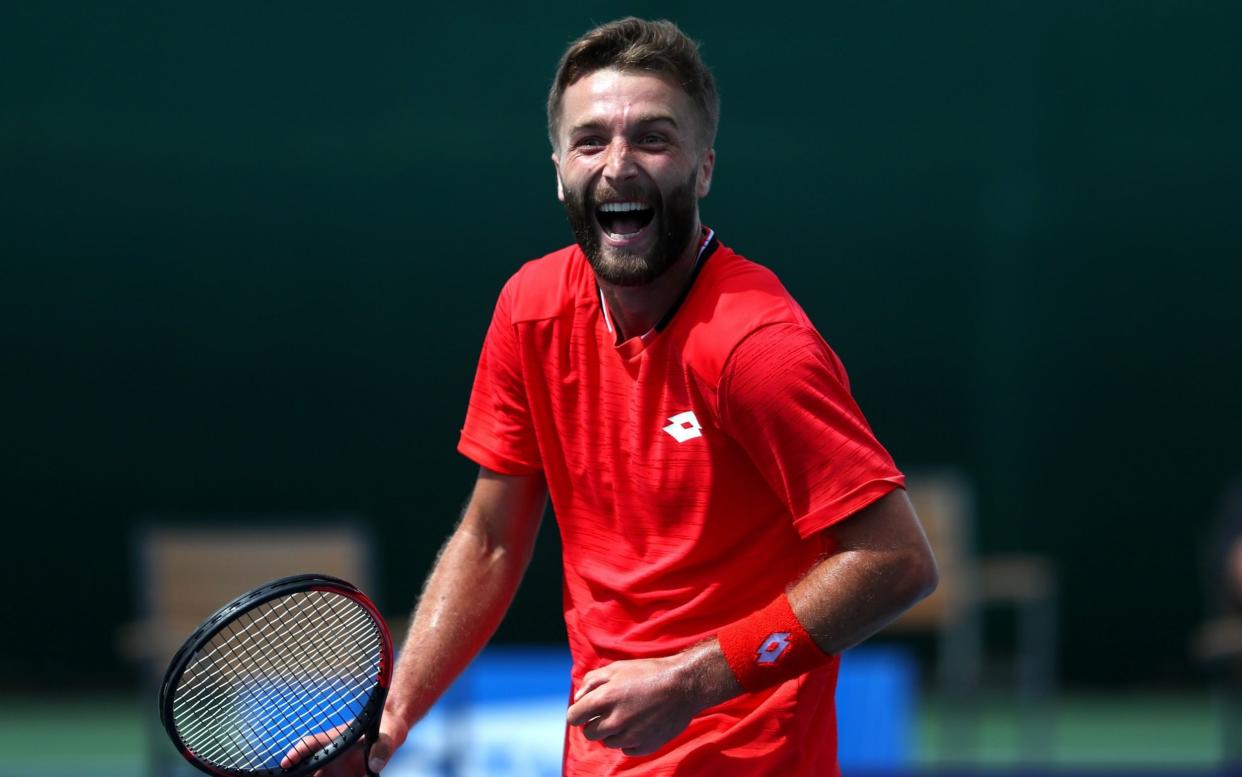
(633, 207)
(729, 521)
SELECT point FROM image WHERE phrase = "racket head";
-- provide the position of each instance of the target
(236, 696)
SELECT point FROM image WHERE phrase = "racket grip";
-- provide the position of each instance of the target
(372, 737)
(372, 734)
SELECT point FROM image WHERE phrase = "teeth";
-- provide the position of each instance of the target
(621, 207)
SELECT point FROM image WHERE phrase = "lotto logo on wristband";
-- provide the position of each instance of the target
(773, 647)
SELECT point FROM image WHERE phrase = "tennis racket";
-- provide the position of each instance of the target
(279, 681)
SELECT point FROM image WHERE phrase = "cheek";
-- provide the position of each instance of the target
(574, 174)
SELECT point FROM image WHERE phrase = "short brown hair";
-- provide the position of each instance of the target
(638, 44)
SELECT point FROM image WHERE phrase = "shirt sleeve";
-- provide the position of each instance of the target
(784, 397)
(498, 433)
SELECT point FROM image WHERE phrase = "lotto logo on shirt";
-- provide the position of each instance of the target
(684, 426)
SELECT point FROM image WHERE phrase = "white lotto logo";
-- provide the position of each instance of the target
(684, 426)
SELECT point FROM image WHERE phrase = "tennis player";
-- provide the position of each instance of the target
(729, 521)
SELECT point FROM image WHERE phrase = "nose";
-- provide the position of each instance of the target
(619, 163)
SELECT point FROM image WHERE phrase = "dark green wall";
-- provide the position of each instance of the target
(249, 254)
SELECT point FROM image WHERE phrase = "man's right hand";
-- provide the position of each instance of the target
(464, 599)
(351, 762)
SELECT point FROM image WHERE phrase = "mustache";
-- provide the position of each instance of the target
(604, 193)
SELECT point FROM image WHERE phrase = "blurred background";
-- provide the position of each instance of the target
(249, 253)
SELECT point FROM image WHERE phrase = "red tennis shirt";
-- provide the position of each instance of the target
(691, 472)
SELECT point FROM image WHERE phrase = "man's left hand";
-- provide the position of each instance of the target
(638, 706)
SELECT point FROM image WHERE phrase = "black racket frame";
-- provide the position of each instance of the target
(367, 721)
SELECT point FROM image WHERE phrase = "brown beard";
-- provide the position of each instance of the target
(673, 220)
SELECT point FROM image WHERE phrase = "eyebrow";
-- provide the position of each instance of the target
(655, 118)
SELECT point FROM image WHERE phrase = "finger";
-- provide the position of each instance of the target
(639, 750)
(307, 745)
(348, 764)
(617, 742)
(300, 750)
(600, 728)
(393, 732)
(591, 705)
(587, 709)
(381, 751)
(592, 680)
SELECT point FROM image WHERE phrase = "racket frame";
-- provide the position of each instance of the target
(367, 721)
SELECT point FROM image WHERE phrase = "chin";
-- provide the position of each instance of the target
(624, 269)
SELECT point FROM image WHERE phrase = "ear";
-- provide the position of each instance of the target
(560, 188)
(706, 166)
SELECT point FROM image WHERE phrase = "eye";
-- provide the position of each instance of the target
(589, 142)
(652, 139)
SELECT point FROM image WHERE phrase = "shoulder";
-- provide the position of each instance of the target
(737, 298)
(780, 354)
(548, 287)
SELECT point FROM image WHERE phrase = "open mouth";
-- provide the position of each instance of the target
(624, 220)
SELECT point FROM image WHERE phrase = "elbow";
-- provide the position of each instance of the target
(925, 574)
(919, 576)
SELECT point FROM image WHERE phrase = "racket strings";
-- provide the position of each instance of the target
(311, 707)
(230, 732)
(300, 664)
(252, 664)
(345, 696)
(266, 662)
(271, 703)
(263, 663)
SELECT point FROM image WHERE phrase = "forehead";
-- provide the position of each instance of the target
(623, 97)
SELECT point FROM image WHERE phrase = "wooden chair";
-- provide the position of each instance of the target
(954, 613)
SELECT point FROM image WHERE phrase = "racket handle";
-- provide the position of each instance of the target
(366, 758)
(371, 738)
(372, 734)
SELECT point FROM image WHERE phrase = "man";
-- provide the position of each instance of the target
(729, 522)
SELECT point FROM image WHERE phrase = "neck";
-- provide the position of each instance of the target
(636, 310)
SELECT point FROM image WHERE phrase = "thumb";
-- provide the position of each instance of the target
(380, 752)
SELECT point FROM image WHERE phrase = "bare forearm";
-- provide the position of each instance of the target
(463, 602)
(879, 566)
(468, 591)
(882, 566)
(841, 602)
(849, 597)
